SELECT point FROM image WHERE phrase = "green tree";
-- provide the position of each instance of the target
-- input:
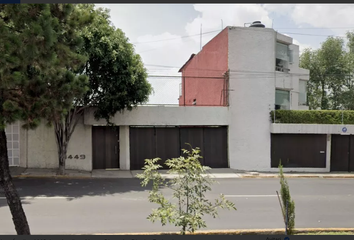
(329, 87)
(316, 91)
(288, 205)
(117, 79)
(189, 188)
(36, 51)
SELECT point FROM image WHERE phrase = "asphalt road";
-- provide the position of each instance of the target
(120, 205)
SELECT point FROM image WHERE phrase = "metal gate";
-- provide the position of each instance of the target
(105, 147)
(167, 142)
(13, 143)
(298, 150)
(342, 153)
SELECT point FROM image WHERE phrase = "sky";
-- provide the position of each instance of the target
(165, 35)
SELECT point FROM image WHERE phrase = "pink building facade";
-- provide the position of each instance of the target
(204, 78)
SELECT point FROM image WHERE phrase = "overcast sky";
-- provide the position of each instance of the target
(167, 34)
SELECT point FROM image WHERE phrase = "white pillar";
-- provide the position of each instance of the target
(124, 149)
(328, 152)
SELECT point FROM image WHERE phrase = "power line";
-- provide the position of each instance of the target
(169, 39)
(308, 34)
(164, 66)
(198, 34)
(189, 36)
(298, 28)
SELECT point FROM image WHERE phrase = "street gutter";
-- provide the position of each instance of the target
(277, 231)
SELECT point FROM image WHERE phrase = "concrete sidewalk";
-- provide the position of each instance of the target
(18, 172)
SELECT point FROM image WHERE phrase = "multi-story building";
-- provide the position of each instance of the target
(252, 70)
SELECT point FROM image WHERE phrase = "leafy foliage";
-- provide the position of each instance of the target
(117, 77)
(312, 116)
(101, 70)
(189, 188)
(288, 208)
(39, 55)
(331, 74)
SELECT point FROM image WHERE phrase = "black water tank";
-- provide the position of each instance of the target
(257, 24)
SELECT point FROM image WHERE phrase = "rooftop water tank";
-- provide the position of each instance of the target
(257, 24)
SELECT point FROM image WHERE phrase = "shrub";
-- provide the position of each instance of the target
(288, 205)
(312, 116)
(189, 188)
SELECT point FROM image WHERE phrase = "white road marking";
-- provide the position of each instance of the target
(249, 196)
(35, 198)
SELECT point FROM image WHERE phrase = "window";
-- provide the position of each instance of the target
(283, 56)
(282, 99)
(282, 52)
(13, 143)
(291, 56)
(302, 92)
(180, 89)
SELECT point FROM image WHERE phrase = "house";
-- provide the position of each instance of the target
(251, 70)
(227, 93)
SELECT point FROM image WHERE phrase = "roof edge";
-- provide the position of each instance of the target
(184, 65)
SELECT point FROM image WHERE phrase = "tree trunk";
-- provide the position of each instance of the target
(323, 98)
(62, 159)
(63, 130)
(12, 197)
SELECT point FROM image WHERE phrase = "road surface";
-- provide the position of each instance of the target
(120, 205)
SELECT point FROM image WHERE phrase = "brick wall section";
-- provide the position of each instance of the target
(203, 74)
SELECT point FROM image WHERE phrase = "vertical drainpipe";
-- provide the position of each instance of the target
(275, 73)
(184, 91)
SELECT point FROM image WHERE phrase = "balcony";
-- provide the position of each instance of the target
(282, 69)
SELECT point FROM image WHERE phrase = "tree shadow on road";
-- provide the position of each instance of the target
(73, 188)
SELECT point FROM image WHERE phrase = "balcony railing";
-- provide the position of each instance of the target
(282, 69)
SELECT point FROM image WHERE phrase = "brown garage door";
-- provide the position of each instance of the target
(194, 137)
(298, 150)
(215, 147)
(142, 146)
(105, 147)
(166, 143)
(342, 153)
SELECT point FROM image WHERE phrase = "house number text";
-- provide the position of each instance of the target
(82, 156)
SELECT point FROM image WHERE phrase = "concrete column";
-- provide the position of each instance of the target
(124, 150)
(328, 153)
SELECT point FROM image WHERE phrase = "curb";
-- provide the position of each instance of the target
(55, 176)
(276, 231)
(236, 177)
(300, 176)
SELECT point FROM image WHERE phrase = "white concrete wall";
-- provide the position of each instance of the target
(23, 147)
(253, 81)
(166, 115)
(80, 144)
(284, 39)
(311, 128)
(43, 152)
(252, 96)
(40, 148)
(124, 148)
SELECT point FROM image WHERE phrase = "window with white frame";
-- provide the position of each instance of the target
(302, 92)
(13, 143)
(282, 99)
